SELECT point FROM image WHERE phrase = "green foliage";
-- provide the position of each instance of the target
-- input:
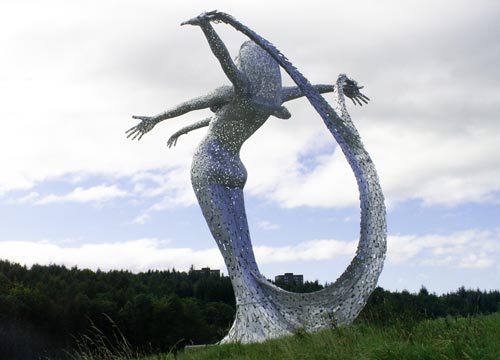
(388, 308)
(46, 308)
(447, 338)
(49, 308)
(306, 287)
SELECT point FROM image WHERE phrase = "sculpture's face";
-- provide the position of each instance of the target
(262, 71)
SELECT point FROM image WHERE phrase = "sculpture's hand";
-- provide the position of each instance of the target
(351, 90)
(138, 131)
(172, 141)
(282, 113)
(204, 17)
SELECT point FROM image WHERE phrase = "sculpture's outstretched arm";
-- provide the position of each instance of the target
(213, 100)
(294, 92)
(220, 51)
(172, 141)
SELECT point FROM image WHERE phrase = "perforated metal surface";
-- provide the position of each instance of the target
(218, 177)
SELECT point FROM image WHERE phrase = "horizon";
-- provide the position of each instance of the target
(187, 272)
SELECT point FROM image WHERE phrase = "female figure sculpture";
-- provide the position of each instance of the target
(218, 177)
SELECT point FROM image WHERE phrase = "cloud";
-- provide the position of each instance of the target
(134, 255)
(431, 128)
(168, 188)
(308, 250)
(95, 194)
(267, 225)
(145, 254)
(471, 249)
(30, 198)
(141, 219)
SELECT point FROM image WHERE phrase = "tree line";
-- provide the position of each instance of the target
(44, 309)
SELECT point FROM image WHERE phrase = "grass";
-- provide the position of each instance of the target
(96, 345)
(469, 338)
(475, 337)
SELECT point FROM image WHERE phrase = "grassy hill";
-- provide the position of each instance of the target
(474, 337)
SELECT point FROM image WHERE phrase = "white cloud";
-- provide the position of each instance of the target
(141, 219)
(170, 188)
(95, 194)
(144, 254)
(30, 198)
(71, 83)
(472, 249)
(134, 255)
(267, 225)
(308, 250)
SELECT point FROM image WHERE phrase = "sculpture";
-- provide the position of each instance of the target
(218, 176)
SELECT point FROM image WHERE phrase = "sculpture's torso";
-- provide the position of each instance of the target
(217, 158)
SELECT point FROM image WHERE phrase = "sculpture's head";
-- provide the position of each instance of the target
(262, 71)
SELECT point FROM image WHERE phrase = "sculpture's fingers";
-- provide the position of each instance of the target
(142, 134)
(133, 128)
(130, 133)
(361, 101)
(204, 16)
(193, 21)
(209, 16)
(354, 102)
(364, 97)
(141, 117)
(138, 135)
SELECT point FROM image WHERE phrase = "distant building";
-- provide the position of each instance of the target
(289, 279)
(207, 271)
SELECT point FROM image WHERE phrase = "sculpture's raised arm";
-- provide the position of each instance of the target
(220, 51)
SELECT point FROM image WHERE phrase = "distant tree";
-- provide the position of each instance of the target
(306, 287)
(44, 308)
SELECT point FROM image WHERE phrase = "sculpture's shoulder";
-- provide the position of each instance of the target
(221, 96)
(223, 91)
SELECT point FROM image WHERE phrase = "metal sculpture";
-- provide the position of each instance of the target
(218, 176)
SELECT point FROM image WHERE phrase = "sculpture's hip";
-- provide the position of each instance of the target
(218, 178)
(213, 164)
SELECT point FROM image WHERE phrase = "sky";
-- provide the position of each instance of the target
(75, 191)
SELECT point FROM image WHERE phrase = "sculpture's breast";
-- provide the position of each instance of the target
(233, 124)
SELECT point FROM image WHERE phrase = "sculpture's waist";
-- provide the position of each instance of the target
(214, 164)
